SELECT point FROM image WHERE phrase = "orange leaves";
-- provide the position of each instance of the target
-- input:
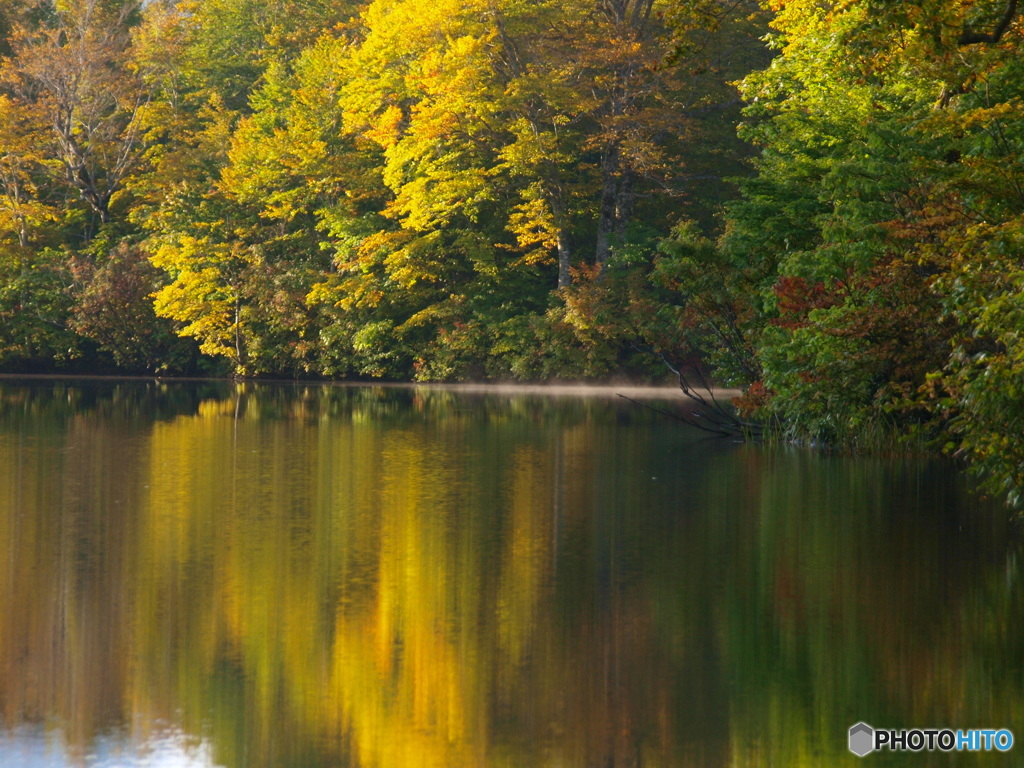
(387, 129)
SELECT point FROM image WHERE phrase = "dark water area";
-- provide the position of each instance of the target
(259, 575)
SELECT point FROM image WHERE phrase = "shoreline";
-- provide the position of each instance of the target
(552, 389)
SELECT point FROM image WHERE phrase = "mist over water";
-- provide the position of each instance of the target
(204, 574)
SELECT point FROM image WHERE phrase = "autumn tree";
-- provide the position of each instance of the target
(113, 309)
(75, 68)
(243, 250)
(579, 111)
(24, 169)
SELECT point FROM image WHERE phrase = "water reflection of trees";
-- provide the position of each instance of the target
(47, 399)
(307, 576)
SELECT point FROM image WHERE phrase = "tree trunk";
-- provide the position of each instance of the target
(624, 203)
(556, 201)
(609, 203)
(617, 199)
(238, 335)
(564, 259)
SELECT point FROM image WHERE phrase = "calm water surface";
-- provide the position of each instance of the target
(203, 575)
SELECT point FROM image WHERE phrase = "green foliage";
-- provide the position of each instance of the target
(35, 301)
(881, 235)
(707, 299)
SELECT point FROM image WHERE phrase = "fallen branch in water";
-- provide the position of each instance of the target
(708, 414)
(679, 417)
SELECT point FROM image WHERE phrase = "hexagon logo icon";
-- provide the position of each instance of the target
(862, 739)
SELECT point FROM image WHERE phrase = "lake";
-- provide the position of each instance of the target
(204, 574)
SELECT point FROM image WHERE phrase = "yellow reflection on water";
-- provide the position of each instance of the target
(298, 577)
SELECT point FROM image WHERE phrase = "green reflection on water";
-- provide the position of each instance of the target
(320, 576)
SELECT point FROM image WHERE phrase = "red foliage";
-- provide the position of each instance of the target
(753, 399)
(796, 297)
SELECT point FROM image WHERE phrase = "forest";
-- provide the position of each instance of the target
(820, 202)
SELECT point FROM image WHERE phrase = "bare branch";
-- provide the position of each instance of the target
(677, 417)
(970, 37)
